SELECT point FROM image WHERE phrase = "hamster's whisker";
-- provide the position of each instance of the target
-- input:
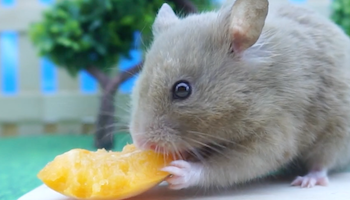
(177, 152)
(111, 114)
(133, 75)
(127, 103)
(210, 147)
(198, 155)
(204, 135)
(157, 150)
(190, 152)
(216, 143)
(141, 38)
(121, 125)
(126, 117)
(122, 130)
(194, 152)
(209, 135)
(116, 125)
(174, 152)
(111, 69)
(106, 127)
(138, 133)
(107, 134)
(125, 107)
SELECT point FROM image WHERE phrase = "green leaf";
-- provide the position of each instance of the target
(95, 24)
(341, 14)
(127, 20)
(76, 34)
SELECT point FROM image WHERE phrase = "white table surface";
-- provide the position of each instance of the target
(338, 189)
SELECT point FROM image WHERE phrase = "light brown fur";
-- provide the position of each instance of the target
(283, 98)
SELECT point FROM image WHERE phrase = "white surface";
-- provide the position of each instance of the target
(338, 189)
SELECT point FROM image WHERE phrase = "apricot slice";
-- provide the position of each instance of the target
(102, 174)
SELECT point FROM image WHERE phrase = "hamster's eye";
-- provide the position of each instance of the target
(181, 90)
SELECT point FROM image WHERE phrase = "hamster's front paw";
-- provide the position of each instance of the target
(183, 174)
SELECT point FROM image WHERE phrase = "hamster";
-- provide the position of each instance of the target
(243, 91)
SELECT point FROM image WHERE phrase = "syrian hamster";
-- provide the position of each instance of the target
(242, 91)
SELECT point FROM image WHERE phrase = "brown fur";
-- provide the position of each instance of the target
(286, 96)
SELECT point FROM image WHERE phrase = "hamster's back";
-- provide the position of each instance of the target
(315, 32)
(314, 54)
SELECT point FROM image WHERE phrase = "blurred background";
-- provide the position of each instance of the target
(67, 68)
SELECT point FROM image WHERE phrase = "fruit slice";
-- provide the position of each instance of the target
(102, 174)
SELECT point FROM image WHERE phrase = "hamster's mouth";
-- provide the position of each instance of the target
(204, 152)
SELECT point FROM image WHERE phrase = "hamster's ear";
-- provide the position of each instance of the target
(247, 19)
(164, 19)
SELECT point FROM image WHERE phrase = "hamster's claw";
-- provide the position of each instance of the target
(312, 179)
(184, 174)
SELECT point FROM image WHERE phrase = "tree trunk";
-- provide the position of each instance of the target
(104, 135)
(105, 124)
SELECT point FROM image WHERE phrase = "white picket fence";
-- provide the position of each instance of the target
(38, 98)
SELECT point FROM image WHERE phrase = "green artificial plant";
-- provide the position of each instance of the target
(91, 35)
(341, 14)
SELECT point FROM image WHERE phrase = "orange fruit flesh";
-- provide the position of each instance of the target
(102, 174)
